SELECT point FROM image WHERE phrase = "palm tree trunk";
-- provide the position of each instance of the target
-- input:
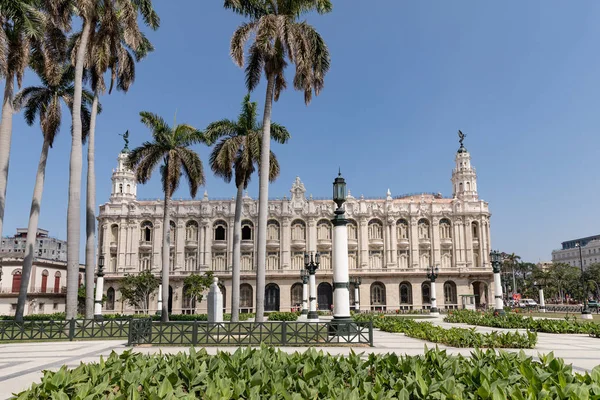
(90, 216)
(34, 216)
(237, 242)
(263, 202)
(74, 204)
(5, 138)
(166, 251)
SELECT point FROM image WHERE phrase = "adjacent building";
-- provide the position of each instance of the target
(45, 247)
(47, 285)
(393, 242)
(569, 251)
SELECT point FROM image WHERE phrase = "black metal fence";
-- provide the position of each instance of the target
(146, 331)
(74, 329)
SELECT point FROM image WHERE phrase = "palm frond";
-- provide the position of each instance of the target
(253, 9)
(157, 124)
(170, 172)
(192, 169)
(223, 157)
(218, 129)
(144, 159)
(279, 133)
(254, 68)
(238, 42)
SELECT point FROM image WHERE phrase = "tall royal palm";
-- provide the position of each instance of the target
(115, 45)
(90, 11)
(171, 146)
(44, 102)
(278, 36)
(236, 154)
(20, 23)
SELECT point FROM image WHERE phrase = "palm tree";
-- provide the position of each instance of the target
(44, 102)
(20, 23)
(278, 35)
(89, 11)
(237, 152)
(171, 145)
(512, 260)
(110, 48)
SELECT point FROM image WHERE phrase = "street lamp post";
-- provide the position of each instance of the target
(304, 276)
(496, 259)
(99, 290)
(312, 264)
(341, 284)
(542, 305)
(432, 276)
(585, 313)
(160, 299)
(356, 281)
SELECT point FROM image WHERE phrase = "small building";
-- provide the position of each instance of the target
(569, 252)
(46, 247)
(47, 285)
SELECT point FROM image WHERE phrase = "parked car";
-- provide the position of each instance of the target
(593, 304)
(527, 303)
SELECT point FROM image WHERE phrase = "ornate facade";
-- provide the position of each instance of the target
(393, 242)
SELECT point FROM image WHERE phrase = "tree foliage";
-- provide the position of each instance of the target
(138, 289)
(195, 285)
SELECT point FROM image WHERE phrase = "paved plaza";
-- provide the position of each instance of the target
(22, 363)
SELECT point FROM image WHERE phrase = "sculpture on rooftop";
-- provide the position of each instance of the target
(461, 137)
(126, 139)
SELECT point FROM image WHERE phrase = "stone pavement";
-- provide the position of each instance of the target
(21, 363)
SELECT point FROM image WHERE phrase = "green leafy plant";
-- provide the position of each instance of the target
(283, 316)
(195, 285)
(137, 289)
(273, 374)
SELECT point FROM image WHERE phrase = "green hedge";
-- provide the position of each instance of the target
(518, 321)
(59, 316)
(283, 316)
(272, 374)
(456, 337)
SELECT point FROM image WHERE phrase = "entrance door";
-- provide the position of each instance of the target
(272, 297)
(170, 303)
(324, 296)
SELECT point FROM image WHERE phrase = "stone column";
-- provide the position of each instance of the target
(229, 253)
(122, 243)
(394, 244)
(386, 245)
(364, 243)
(542, 305)
(414, 243)
(356, 298)
(179, 250)
(341, 294)
(207, 245)
(435, 242)
(468, 243)
(304, 297)
(285, 243)
(434, 310)
(498, 304)
(160, 302)
(99, 293)
(201, 243)
(312, 299)
(312, 235)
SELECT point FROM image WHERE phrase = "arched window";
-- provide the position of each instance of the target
(325, 260)
(375, 229)
(405, 293)
(110, 299)
(219, 262)
(403, 259)
(298, 230)
(476, 261)
(247, 230)
(246, 262)
(424, 260)
(447, 259)
(324, 296)
(352, 230)
(44, 281)
(324, 230)
(445, 231)
(120, 188)
(450, 293)
(272, 297)
(402, 229)
(423, 225)
(426, 292)
(191, 231)
(377, 296)
(475, 230)
(190, 261)
(114, 233)
(272, 230)
(128, 189)
(296, 293)
(220, 229)
(172, 232)
(189, 303)
(57, 282)
(145, 261)
(246, 299)
(147, 231)
(16, 281)
(351, 260)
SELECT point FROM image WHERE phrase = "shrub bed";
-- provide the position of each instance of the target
(283, 316)
(456, 337)
(273, 374)
(518, 321)
(59, 316)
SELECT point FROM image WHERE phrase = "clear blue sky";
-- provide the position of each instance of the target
(521, 79)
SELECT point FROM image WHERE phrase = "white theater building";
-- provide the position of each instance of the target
(393, 242)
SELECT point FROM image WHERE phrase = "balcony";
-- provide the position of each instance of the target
(475, 243)
(247, 244)
(446, 242)
(37, 290)
(219, 244)
(145, 245)
(272, 243)
(376, 243)
(191, 244)
(113, 247)
(324, 243)
(298, 244)
(352, 244)
(425, 242)
(403, 243)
